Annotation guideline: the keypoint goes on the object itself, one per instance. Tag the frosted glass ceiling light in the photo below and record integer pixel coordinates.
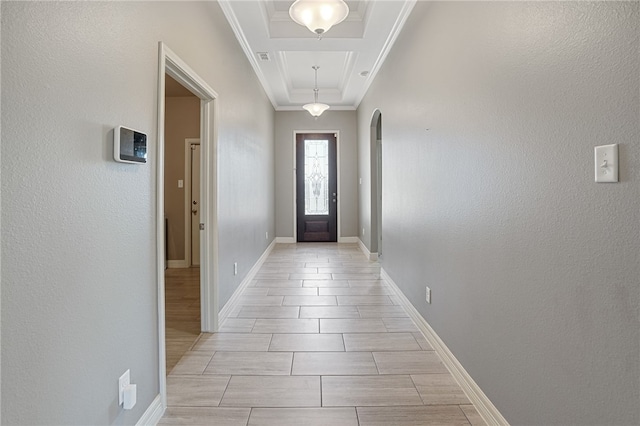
(316, 109)
(318, 15)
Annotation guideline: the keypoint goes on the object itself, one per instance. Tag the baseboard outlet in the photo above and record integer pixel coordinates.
(285, 240)
(233, 300)
(483, 405)
(176, 264)
(348, 240)
(365, 250)
(153, 413)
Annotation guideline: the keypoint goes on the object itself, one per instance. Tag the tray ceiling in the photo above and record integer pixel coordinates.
(283, 52)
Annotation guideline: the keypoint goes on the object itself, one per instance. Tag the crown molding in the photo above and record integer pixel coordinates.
(225, 5)
(407, 7)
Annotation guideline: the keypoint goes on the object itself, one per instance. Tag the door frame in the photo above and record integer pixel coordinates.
(173, 65)
(295, 183)
(187, 198)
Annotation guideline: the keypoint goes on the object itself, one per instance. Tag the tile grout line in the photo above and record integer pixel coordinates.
(249, 417)
(419, 394)
(225, 391)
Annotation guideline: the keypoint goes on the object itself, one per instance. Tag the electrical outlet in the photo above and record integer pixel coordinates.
(266, 235)
(235, 268)
(428, 295)
(123, 382)
(362, 231)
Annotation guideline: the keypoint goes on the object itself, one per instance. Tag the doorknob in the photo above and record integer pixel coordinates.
(195, 203)
(194, 211)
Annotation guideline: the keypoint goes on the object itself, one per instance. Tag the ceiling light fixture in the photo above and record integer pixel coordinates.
(316, 109)
(318, 15)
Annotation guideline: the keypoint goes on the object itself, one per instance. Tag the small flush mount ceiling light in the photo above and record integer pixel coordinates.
(316, 109)
(318, 15)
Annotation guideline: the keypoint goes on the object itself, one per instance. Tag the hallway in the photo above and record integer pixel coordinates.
(317, 339)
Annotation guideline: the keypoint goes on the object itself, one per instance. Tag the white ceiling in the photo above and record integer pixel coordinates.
(358, 44)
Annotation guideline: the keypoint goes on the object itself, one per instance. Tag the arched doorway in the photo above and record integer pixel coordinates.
(376, 183)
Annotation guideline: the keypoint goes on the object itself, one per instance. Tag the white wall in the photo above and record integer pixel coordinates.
(79, 298)
(490, 114)
(288, 122)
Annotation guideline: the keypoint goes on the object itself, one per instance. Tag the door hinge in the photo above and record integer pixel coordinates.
(193, 147)
(202, 226)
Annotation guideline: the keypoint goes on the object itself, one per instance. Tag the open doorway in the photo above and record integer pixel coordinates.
(181, 189)
(376, 184)
(204, 279)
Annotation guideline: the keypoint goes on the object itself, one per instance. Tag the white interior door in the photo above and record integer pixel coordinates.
(195, 204)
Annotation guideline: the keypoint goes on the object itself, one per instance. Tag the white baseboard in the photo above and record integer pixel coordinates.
(481, 402)
(180, 263)
(365, 250)
(348, 240)
(233, 300)
(285, 240)
(153, 414)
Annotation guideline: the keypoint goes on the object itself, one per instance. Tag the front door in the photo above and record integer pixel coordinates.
(317, 187)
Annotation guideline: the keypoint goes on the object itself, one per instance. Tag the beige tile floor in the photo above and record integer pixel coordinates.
(317, 339)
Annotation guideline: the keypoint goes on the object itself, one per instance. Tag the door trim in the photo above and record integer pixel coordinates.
(187, 198)
(173, 65)
(295, 188)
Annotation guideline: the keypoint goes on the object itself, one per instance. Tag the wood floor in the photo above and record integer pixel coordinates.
(182, 312)
(316, 339)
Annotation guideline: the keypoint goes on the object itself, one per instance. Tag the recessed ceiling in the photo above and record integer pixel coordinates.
(356, 46)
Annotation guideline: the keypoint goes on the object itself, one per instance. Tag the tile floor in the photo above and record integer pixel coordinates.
(316, 339)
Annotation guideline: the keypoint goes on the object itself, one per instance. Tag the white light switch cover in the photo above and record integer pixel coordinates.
(606, 163)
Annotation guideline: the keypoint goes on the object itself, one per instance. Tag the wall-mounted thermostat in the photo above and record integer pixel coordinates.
(129, 146)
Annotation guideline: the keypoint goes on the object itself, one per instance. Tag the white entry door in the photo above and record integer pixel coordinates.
(195, 204)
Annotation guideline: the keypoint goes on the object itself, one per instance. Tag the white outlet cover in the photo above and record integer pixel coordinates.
(606, 163)
(123, 382)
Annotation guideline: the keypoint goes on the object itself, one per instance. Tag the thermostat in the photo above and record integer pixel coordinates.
(129, 146)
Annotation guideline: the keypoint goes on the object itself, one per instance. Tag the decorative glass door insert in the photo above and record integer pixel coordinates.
(316, 177)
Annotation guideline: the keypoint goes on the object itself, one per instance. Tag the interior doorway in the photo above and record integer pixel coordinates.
(376, 183)
(317, 187)
(205, 277)
(181, 190)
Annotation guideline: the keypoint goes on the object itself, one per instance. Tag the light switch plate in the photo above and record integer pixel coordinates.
(606, 163)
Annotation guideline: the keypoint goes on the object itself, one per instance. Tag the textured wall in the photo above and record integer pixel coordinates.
(182, 121)
(490, 114)
(79, 295)
(286, 123)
